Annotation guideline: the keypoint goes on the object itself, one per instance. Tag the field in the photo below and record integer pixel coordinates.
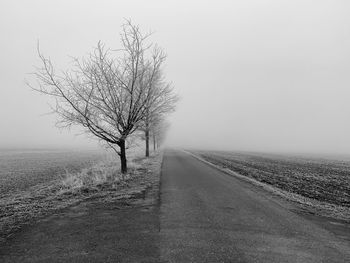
(20, 170)
(326, 180)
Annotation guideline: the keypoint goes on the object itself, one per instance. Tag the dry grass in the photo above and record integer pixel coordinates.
(107, 171)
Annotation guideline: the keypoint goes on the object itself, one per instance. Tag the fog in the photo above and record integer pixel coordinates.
(252, 75)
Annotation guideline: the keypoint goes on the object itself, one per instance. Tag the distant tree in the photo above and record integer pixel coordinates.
(107, 95)
(162, 97)
(159, 131)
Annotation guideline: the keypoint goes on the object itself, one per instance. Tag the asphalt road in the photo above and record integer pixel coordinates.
(209, 216)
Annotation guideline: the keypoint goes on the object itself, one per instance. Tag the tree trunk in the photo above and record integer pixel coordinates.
(123, 161)
(154, 142)
(147, 139)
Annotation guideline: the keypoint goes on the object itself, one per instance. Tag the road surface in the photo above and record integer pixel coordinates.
(209, 216)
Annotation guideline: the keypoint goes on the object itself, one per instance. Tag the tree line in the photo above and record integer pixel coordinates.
(113, 94)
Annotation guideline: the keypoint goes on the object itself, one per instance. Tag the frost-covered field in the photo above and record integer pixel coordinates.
(21, 169)
(31, 183)
(324, 179)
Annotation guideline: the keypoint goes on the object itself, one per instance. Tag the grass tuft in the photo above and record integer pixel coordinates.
(104, 172)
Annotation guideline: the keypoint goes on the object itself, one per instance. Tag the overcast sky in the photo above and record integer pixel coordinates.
(252, 75)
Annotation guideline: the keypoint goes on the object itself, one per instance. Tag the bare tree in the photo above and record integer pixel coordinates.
(105, 94)
(162, 99)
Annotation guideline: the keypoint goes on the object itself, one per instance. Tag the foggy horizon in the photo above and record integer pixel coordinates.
(260, 76)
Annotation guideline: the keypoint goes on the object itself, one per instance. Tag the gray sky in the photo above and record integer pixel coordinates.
(253, 75)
